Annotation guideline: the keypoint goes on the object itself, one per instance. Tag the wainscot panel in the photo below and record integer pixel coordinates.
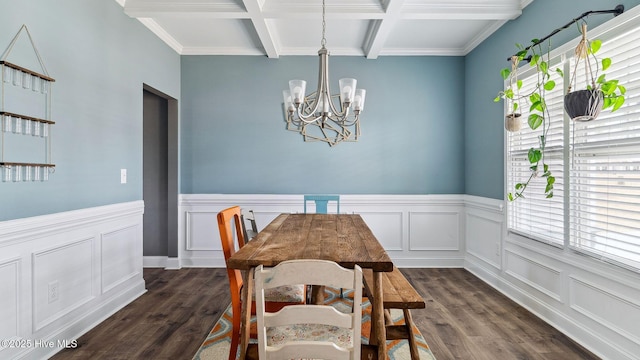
(61, 274)
(9, 301)
(593, 302)
(416, 230)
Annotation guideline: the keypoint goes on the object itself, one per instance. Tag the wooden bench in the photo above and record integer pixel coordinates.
(398, 294)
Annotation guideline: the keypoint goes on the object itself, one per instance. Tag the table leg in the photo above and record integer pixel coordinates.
(378, 319)
(317, 294)
(247, 289)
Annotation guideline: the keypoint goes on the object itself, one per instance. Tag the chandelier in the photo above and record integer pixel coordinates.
(316, 115)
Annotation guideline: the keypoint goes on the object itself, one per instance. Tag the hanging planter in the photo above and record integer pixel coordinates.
(583, 105)
(513, 122)
(511, 95)
(586, 104)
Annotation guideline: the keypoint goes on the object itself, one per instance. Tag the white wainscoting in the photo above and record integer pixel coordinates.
(595, 303)
(62, 274)
(416, 230)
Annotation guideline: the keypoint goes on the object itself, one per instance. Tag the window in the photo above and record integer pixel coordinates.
(597, 162)
(535, 215)
(605, 167)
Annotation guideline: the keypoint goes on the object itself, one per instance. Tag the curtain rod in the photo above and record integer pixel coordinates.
(617, 11)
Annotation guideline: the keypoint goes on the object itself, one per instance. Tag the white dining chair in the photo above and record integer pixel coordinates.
(309, 331)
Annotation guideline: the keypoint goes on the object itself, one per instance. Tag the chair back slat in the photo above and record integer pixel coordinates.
(322, 202)
(303, 317)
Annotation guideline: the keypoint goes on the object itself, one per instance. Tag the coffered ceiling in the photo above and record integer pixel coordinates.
(370, 28)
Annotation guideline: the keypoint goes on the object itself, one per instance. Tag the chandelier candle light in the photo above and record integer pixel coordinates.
(315, 116)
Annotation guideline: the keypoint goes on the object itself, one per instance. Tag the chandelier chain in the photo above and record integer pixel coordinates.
(323, 42)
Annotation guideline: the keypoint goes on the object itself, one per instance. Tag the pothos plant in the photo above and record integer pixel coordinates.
(609, 90)
(538, 112)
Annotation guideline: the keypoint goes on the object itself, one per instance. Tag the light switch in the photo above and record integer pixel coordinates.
(123, 176)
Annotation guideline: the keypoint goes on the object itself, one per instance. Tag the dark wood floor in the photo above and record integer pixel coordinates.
(464, 319)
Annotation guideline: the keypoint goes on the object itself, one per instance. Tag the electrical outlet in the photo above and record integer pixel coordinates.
(123, 176)
(54, 291)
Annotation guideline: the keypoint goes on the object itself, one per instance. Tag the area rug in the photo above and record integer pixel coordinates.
(216, 345)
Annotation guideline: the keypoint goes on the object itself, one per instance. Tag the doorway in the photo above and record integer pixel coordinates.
(160, 177)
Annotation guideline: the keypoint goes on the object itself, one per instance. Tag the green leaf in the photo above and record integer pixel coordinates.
(534, 155)
(548, 188)
(508, 93)
(537, 106)
(544, 67)
(560, 72)
(595, 46)
(550, 180)
(609, 87)
(519, 186)
(505, 73)
(534, 60)
(601, 79)
(519, 84)
(618, 103)
(497, 98)
(549, 195)
(515, 106)
(535, 97)
(549, 85)
(535, 121)
(622, 89)
(510, 196)
(606, 62)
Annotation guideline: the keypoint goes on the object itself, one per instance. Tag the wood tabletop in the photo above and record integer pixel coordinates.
(343, 238)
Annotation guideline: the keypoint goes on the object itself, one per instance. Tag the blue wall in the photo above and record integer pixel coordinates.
(484, 121)
(234, 138)
(100, 59)
(429, 126)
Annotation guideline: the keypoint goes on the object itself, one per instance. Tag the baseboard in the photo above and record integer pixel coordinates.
(165, 262)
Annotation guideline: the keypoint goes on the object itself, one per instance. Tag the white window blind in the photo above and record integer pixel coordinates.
(605, 167)
(535, 215)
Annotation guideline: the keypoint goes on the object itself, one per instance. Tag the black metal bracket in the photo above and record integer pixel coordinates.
(617, 11)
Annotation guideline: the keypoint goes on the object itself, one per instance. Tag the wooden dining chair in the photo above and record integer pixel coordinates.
(231, 234)
(309, 331)
(249, 218)
(322, 202)
(322, 207)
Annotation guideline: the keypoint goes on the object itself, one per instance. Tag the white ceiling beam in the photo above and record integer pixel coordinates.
(334, 10)
(463, 10)
(153, 8)
(262, 27)
(379, 32)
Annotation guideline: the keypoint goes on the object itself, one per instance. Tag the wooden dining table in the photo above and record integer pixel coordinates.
(343, 238)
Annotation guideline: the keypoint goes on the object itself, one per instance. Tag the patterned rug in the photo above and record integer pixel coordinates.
(216, 345)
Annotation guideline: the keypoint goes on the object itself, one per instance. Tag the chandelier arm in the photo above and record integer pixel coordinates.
(347, 122)
(305, 118)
